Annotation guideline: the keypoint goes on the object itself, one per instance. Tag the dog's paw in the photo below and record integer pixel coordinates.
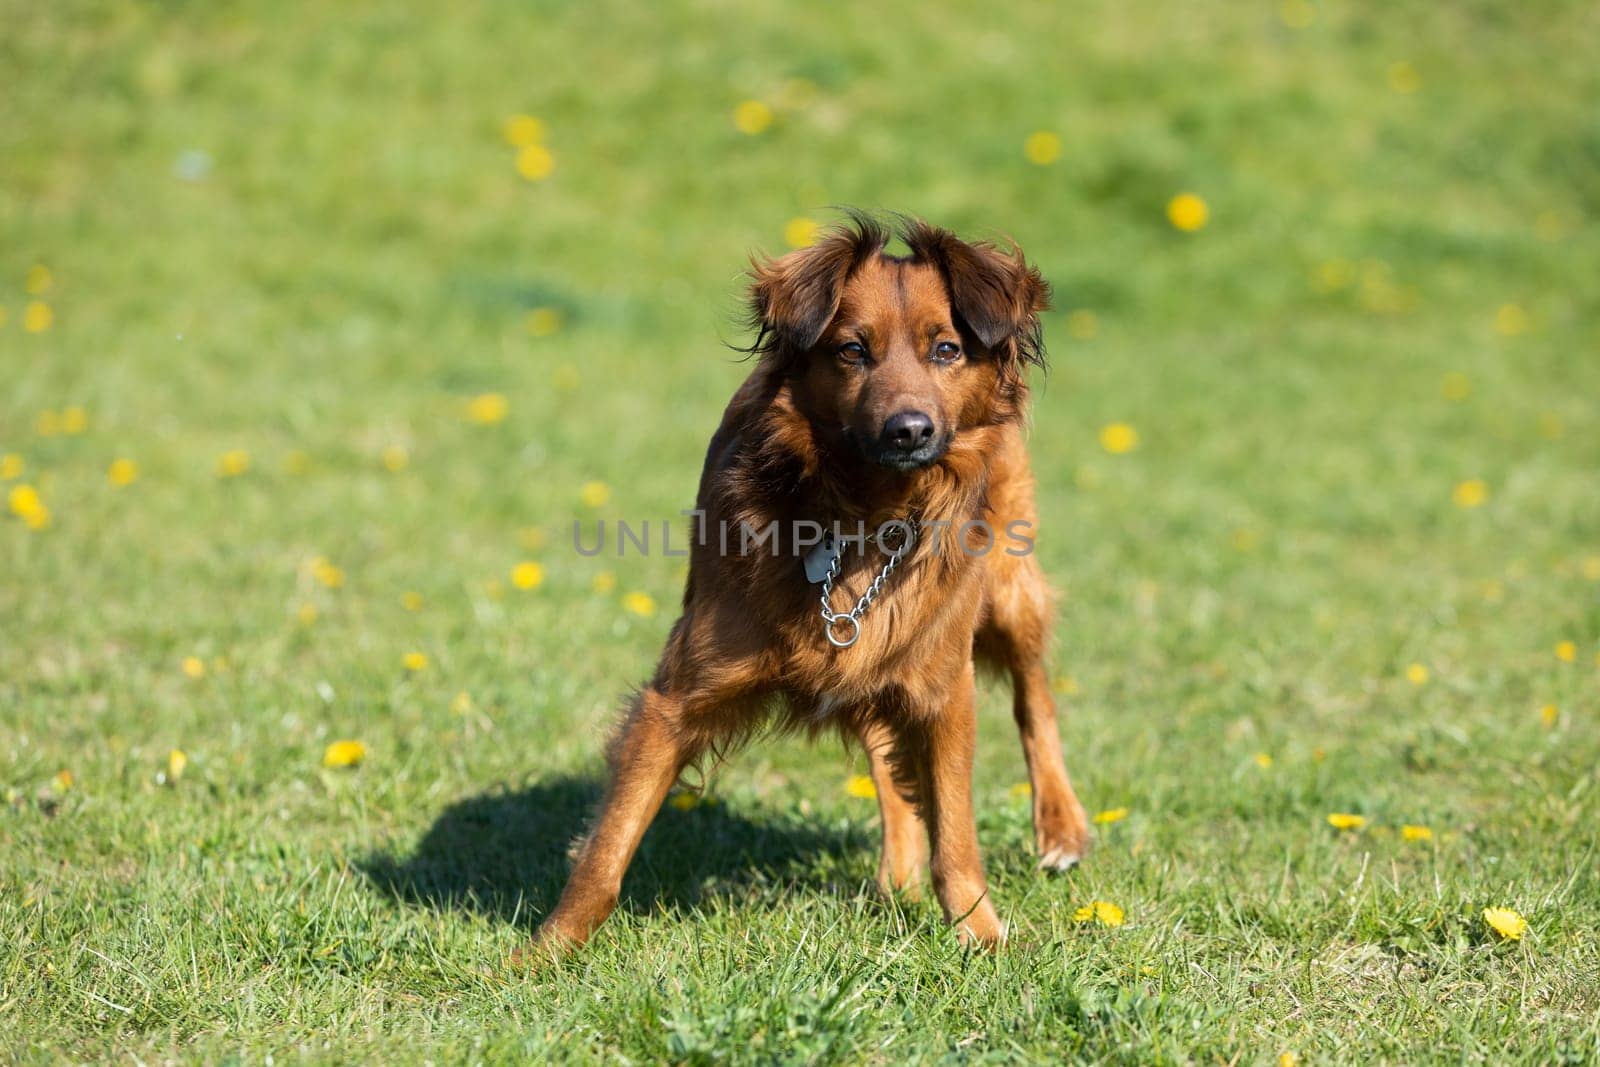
(1060, 858)
(549, 947)
(984, 936)
(1060, 832)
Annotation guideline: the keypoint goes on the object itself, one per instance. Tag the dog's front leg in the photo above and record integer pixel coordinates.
(905, 841)
(945, 742)
(649, 753)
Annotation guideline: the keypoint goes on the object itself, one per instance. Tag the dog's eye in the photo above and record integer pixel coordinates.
(852, 352)
(947, 351)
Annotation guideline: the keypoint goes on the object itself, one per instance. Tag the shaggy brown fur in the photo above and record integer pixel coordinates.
(848, 338)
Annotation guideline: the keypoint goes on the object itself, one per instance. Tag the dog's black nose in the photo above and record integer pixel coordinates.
(907, 431)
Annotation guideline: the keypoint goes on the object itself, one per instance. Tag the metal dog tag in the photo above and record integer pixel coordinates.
(820, 560)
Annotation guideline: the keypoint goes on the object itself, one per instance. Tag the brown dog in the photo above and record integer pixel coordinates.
(889, 390)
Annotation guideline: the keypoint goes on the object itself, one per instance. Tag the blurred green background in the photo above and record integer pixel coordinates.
(321, 324)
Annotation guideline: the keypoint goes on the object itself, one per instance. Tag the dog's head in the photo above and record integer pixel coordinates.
(895, 356)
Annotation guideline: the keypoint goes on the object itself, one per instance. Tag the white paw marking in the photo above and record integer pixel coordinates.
(1059, 859)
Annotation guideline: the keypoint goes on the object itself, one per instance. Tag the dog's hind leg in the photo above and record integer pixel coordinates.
(905, 839)
(649, 753)
(1013, 637)
(1060, 828)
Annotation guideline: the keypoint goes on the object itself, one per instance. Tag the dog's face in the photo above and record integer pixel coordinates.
(893, 357)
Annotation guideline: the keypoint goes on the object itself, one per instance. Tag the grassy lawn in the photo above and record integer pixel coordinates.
(1350, 566)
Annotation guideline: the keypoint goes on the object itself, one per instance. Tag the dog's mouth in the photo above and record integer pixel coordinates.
(896, 459)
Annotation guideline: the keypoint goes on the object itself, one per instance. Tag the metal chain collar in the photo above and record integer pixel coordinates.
(832, 619)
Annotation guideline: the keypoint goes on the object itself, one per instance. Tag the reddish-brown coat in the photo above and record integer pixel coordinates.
(750, 643)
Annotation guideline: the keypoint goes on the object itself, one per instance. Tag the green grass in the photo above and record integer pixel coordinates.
(357, 259)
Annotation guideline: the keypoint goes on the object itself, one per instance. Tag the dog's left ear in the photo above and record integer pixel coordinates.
(997, 293)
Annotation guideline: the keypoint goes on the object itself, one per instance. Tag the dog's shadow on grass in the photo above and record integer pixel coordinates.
(504, 854)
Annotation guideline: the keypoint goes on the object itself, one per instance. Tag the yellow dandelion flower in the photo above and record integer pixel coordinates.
(233, 463)
(1411, 832)
(63, 780)
(48, 424)
(800, 232)
(1289, 1059)
(306, 613)
(1119, 438)
(1083, 324)
(74, 420)
(122, 472)
(604, 582)
(520, 131)
(640, 604)
(414, 661)
(860, 787)
(1505, 922)
(1551, 426)
(194, 667)
(684, 801)
(11, 466)
(38, 281)
(752, 117)
(1110, 815)
(1456, 386)
(411, 600)
(1340, 820)
(535, 162)
(1417, 674)
(1297, 15)
(1567, 651)
(37, 317)
(486, 409)
(1510, 320)
(527, 575)
(1333, 275)
(1471, 493)
(396, 458)
(1042, 147)
(344, 754)
(1187, 212)
(461, 703)
(544, 321)
(24, 500)
(176, 763)
(1263, 760)
(1403, 78)
(1549, 715)
(1590, 567)
(324, 571)
(26, 504)
(1101, 911)
(594, 494)
(1020, 790)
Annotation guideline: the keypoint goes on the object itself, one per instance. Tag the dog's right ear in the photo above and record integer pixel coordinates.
(794, 297)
